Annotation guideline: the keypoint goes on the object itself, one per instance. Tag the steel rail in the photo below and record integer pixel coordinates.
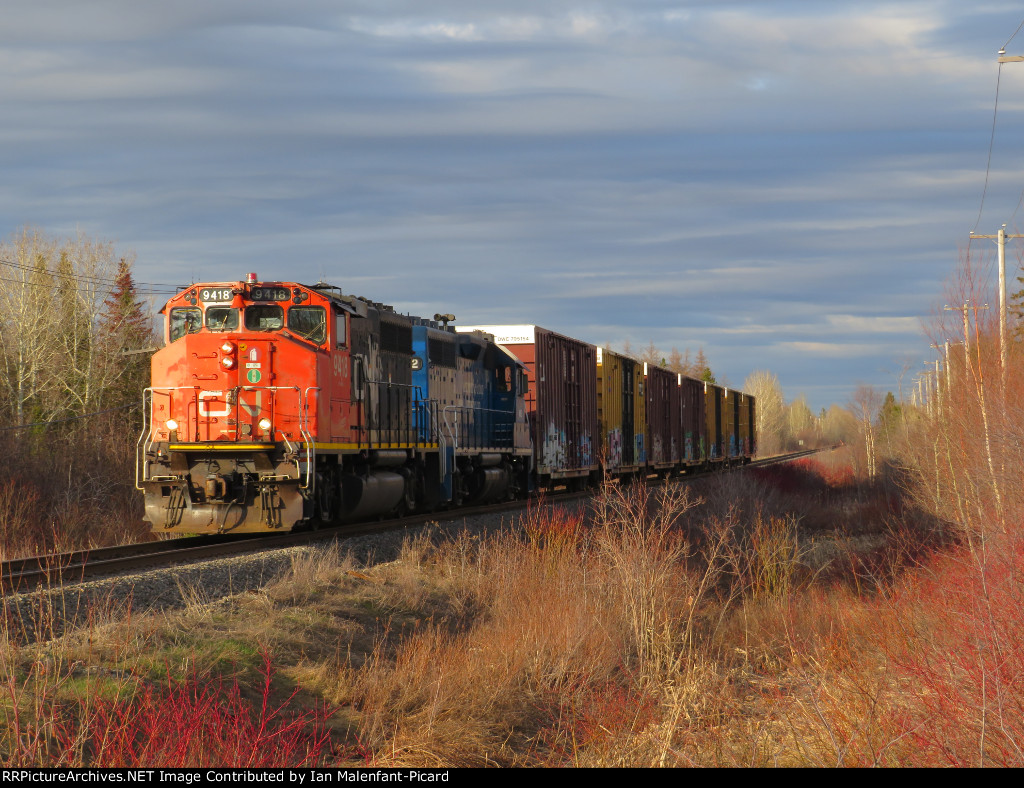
(62, 569)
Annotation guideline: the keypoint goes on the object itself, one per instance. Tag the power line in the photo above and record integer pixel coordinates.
(1015, 32)
(991, 144)
(105, 291)
(99, 280)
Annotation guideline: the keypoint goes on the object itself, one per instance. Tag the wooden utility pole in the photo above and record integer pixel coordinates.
(938, 377)
(1000, 239)
(966, 308)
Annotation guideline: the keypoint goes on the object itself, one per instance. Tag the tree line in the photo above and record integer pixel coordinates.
(73, 330)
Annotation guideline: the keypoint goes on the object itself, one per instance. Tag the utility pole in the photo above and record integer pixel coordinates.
(938, 377)
(949, 372)
(1000, 239)
(967, 334)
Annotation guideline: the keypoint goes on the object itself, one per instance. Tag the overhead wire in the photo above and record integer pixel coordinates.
(151, 288)
(991, 145)
(102, 290)
(1015, 32)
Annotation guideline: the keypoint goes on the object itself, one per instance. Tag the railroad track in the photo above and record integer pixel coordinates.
(788, 457)
(61, 569)
(26, 574)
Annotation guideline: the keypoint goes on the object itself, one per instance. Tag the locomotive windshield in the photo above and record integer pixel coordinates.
(221, 318)
(264, 318)
(185, 320)
(308, 322)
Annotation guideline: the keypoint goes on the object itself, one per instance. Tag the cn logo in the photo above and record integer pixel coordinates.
(204, 409)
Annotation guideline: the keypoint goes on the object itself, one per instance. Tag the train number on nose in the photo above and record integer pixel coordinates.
(215, 294)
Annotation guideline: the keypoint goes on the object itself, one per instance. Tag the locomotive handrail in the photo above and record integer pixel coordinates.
(141, 451)
(303, 416)
(145, 441)
(307, 435)
(473, 409)
(368, 413)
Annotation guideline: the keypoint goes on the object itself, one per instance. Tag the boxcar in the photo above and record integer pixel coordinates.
(714, 406)
(562, 399)
(621, 413)
(661, 416)
(692, 419)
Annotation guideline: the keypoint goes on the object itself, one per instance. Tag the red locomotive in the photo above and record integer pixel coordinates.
(276, 403)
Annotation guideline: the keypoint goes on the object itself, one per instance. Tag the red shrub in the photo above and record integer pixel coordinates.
(965, 657)
(198, 722)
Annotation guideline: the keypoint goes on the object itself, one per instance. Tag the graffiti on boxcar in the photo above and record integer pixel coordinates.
(614, 448)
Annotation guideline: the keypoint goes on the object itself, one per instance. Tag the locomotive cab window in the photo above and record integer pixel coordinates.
(184, 320)
(340, 335)
(264, 318)
(221, 318)
(308, 322)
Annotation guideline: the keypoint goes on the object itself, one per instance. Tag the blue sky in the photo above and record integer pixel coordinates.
(785, 184)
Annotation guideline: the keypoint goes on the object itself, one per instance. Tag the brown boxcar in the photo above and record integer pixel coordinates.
(714, 416)
(562, 400)
(621, 412)
(752, 426)
(692, 420)
(661, 388)
(731, 428)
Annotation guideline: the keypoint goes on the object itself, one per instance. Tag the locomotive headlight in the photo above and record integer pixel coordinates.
(228, 349)
(172, 425)
(265, 424)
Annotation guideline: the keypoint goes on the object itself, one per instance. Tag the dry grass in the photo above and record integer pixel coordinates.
(658, 630)
(69, 488)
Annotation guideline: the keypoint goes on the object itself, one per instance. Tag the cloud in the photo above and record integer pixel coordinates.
(858, 324)
(830, 349)
(785, 184)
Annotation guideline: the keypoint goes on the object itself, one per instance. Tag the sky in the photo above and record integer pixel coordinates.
(785, 185)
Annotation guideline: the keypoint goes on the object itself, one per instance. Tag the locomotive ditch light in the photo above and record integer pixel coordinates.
(228, 347)
(265, 424)
(171, 425)
(228, 362)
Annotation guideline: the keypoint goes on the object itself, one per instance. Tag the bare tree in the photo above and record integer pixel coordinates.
(864, 405)
(771, 414)
(803, 424)
(52, 360)
(26, 324)
(651, 355)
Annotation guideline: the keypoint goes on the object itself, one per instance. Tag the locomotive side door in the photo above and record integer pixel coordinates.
(341, 379)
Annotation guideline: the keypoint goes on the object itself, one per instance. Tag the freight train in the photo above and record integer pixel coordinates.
(276, 404)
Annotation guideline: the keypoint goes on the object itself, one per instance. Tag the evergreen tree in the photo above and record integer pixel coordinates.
(1015, 306)
(889, 413)
(125, 330)
(124, 316)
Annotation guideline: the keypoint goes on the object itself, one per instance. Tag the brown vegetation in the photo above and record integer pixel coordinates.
(780, 619)
(70, 394)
